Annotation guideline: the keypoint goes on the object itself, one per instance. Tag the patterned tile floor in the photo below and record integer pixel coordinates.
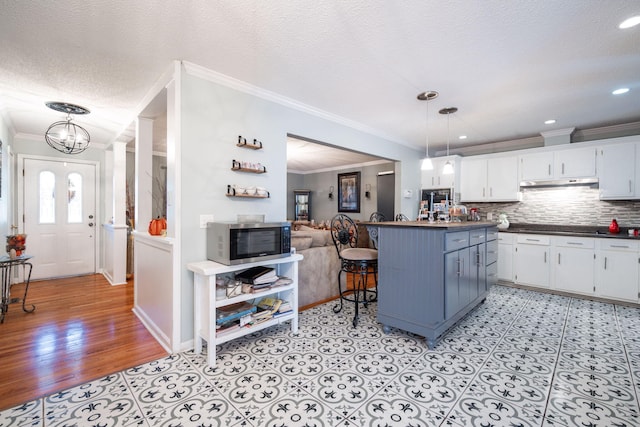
(522, 358)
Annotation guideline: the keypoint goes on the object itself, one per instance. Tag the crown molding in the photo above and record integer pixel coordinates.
(241, 86)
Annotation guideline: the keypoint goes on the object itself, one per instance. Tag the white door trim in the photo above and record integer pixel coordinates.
(98, 198)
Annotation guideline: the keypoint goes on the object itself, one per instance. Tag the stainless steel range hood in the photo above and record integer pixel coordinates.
(560, 182)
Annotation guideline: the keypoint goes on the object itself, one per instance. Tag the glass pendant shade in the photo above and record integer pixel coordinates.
(448, 168)
(427, 164)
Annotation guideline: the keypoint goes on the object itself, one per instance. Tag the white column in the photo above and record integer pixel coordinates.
(144, 173)
(119, 183)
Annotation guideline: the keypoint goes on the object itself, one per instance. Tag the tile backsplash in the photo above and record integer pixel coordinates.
(572, 205)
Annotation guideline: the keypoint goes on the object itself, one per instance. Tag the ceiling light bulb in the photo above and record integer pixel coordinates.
(462, 137)
(631, 22)
(620, 91)
(549, 122)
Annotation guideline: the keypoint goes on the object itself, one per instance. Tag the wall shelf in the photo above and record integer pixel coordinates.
(231, 192)
(237, 166)
(255, 145)
(250, 196)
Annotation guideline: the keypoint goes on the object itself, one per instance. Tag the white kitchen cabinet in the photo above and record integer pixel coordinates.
(575, 163)
(435, 179)
(558, 164)
(617, 266)
(532, 260)
(536, 166)
(505, 256)
(489, 179)
(617, 171)
(573, 265)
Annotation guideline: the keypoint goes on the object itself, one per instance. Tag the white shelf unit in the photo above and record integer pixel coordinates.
(205, 303)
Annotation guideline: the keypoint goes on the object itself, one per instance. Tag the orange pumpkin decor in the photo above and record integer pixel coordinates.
(157, 226)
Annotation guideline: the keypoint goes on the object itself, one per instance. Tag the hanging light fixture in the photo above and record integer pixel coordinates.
(427, 164)
(448, 167)
(64, 136)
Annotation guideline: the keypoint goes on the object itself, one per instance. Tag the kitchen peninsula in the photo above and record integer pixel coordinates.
(430, 275)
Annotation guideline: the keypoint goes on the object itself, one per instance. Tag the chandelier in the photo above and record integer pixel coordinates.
(65, 136)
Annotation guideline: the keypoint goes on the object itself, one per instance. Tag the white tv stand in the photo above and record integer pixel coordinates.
(205, 303)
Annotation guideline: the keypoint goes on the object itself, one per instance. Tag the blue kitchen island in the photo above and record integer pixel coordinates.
(430, 275)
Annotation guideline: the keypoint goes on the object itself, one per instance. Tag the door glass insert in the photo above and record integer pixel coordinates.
(47, 186)
(74, 201)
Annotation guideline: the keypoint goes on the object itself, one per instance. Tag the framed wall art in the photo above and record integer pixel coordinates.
(349, 192)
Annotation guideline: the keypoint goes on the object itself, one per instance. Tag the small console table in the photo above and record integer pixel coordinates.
(7, 264)
(205, 303)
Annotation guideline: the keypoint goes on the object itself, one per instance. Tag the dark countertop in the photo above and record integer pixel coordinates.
(568, 230)
(465, 225)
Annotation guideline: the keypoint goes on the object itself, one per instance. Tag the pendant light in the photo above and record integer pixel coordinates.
(427, 164)
(448, 167)
(64, 136)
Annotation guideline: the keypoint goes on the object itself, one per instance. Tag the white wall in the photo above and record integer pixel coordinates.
(213, 116)
(5, 193)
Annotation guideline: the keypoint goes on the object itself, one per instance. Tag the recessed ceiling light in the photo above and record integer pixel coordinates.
(549, 122)
(620, 91)
(462, 137)
(631, 22)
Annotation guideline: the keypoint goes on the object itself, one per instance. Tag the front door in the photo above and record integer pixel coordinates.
(59, 215)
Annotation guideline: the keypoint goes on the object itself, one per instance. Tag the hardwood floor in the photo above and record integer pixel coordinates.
(83, 328)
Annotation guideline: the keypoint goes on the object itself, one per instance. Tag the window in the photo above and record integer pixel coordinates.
(47, 186)
(74, 198)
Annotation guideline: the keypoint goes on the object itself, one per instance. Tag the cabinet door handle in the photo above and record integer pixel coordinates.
(549, 169)
(629, 186)
(484, 192)
(532, 240)
(459, 272)
(558, 259)
(605, 263)
(562, 168)
(620, 246)
(575, 243)
(545, 257)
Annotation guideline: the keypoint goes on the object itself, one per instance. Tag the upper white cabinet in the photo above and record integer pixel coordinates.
(489, 179)
(435, 179)
(558, 164)
(536, 166)
(617, 172)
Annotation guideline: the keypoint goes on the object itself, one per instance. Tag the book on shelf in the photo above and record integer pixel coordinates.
(258, 274)
(234, 311)
(224, 330)
(269, 304)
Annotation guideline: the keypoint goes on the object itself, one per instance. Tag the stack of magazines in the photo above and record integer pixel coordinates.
(233, 317)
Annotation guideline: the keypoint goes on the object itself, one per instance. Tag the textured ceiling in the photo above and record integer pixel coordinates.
(507, 65)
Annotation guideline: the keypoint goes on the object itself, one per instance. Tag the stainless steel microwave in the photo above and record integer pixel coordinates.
(232, 243)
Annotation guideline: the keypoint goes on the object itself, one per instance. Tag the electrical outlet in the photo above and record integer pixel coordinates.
(204, 219)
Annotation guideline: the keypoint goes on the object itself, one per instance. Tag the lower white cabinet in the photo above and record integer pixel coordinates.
(617, 269)
(601, 267)
(505, 256)
(573, 263)
(531, 261)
